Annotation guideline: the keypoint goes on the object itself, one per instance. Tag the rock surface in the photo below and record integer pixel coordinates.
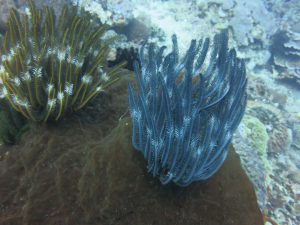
(77, 172)
(5, 6)
(20, 5)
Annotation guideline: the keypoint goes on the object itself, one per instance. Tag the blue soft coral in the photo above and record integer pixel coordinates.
(184, 114)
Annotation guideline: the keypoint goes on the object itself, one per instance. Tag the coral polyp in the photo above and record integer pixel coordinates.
(51, 66)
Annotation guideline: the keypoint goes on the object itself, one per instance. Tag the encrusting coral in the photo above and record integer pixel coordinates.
(49, 67)
(257, 134)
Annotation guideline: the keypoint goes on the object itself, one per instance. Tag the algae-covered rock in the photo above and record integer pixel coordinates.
(12, 124)
(257, 132)
(296, 136)
(78, 172)
(276, 123)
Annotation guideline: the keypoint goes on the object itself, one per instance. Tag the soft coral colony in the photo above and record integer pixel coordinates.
(185, 114)
(49, 67)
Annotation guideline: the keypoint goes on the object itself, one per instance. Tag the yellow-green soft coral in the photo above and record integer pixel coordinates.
(49, 67)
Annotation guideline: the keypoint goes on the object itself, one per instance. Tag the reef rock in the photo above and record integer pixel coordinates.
(57, 5)
(285, 50)
(85, 172)
(20, 5)
(280, 136)
(285, 43)
(5, 5)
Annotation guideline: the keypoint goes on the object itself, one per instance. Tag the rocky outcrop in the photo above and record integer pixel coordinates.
(20, 5)
(80, 172)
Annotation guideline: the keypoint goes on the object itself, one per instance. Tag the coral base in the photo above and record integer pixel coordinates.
(81, 173)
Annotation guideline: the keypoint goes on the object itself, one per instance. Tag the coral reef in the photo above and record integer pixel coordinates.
(280, 136)
(286, 56)
(185, 114)
(257, 29)
(260, 90)
(247, 24)
(257, 132)
(77, 173)
(20, 6)
(49, 67)
(253, 27)
(296, 136)
(285, 42)
(272, 171)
